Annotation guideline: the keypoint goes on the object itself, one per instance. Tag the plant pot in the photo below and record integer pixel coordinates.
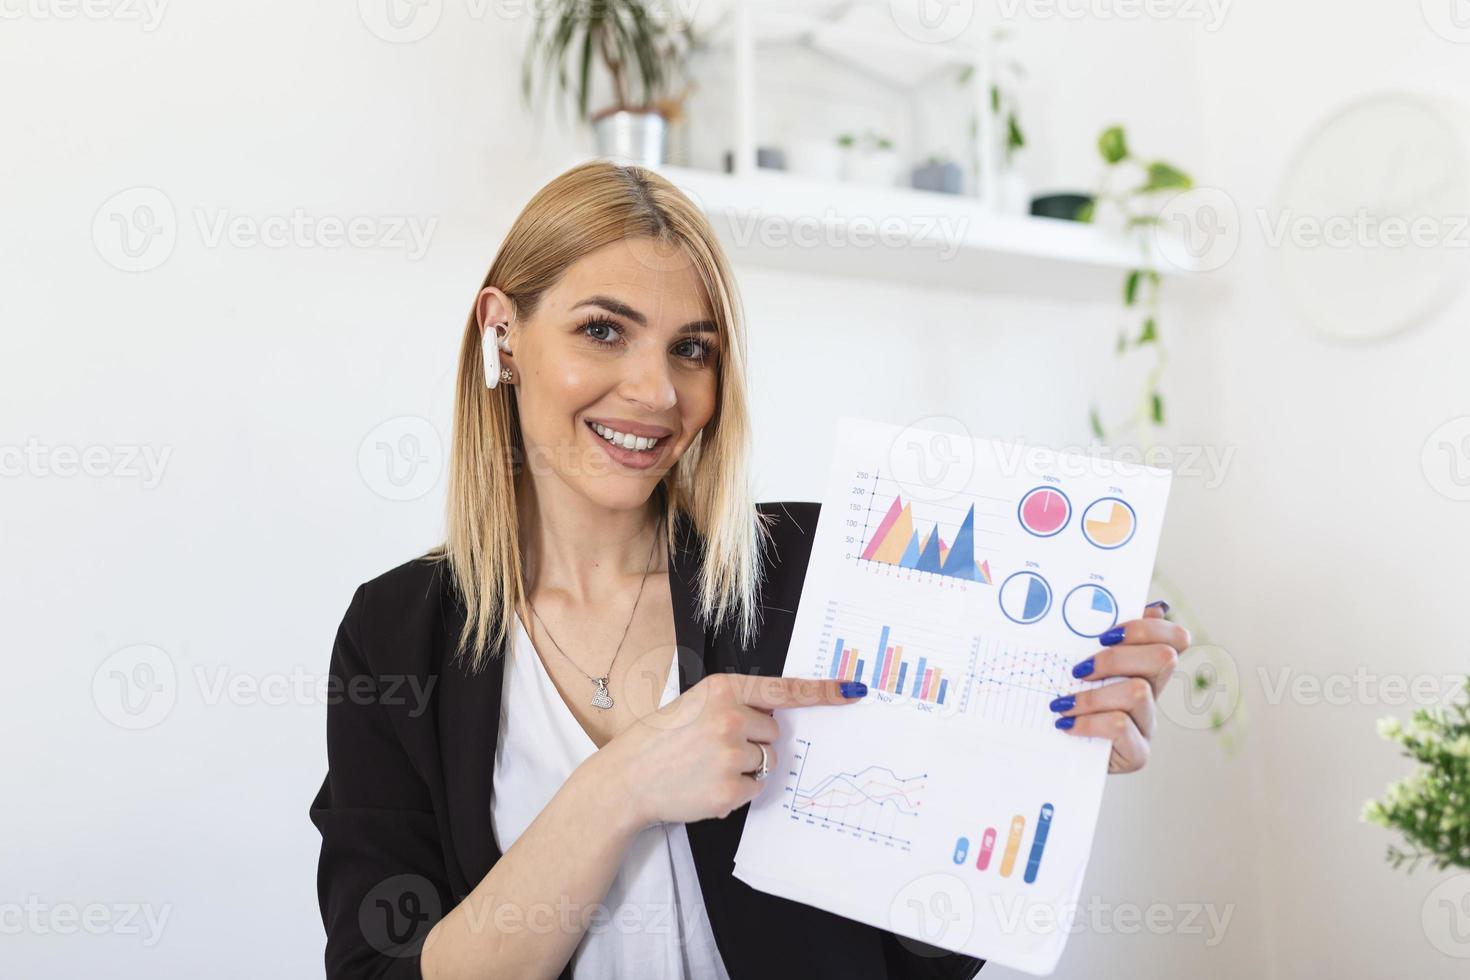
(942, 178)
(633, 135)
(820, 159)
(1013, 193)
(1063, 206)
(872, 167)
(766, 158)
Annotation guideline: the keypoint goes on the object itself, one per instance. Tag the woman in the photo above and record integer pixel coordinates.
(547, 729)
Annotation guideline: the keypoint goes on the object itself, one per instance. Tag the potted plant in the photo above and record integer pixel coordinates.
(1012, 191)
(869, 158)
(642, 47)
(1431, 806)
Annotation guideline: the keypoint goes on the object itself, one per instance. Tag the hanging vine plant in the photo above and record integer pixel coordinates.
(1134, 190)
(1133, 187)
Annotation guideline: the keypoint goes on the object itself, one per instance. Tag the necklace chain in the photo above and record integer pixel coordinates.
(600, 697)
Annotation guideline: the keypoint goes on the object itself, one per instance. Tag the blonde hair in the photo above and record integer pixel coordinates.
(590, 206)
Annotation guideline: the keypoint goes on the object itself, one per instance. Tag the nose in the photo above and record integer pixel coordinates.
(648, 382)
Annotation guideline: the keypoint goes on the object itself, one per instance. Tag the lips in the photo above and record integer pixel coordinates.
(632, 427)
(631, 458)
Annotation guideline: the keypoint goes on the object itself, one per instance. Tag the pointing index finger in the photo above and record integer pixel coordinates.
(770, 693)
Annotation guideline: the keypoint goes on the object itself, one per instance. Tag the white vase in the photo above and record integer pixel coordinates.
(639, 137)
(819, 159)
(1013, 193)
(873, 167)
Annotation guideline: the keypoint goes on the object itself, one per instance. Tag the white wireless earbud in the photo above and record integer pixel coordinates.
(491, 344)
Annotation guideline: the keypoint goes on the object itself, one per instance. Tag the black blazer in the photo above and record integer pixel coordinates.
(404, 811)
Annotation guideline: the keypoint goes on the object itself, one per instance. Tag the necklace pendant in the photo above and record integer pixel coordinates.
(600, 698)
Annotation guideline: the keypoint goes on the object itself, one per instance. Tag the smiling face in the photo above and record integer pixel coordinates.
(617, 372)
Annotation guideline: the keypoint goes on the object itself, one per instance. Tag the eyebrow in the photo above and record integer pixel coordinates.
(624, 310)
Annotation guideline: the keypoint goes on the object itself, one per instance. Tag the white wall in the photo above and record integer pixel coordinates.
(1358, 562)
(260, 371)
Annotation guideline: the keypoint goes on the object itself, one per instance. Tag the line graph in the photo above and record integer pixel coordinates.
(1014, 684)
(872, 802)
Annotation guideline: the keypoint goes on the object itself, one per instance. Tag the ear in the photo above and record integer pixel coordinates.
(493, 306)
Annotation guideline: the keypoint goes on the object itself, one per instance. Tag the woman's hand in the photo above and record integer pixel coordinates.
(1142, 650)
(688, 761)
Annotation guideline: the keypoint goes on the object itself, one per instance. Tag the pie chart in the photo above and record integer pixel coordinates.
(1109, 523)
(1090, 610)
(1044, 511)
(1025, 597)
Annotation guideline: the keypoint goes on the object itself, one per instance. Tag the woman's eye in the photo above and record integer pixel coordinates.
(605, 333)
(696, 350)
(595, 325)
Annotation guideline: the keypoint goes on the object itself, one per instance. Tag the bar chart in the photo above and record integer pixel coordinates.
(919, 661)
(1013, 850)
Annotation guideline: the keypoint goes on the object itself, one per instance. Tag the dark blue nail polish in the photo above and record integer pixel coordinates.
(854, 689)
(1114, 635)
(1066, 722)
(1158, 604)
(1065, 703)
(1084, 668)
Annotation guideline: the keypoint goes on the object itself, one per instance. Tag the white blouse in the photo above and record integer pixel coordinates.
(655, 924)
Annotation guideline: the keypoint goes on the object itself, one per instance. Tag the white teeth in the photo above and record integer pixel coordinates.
(624, 439)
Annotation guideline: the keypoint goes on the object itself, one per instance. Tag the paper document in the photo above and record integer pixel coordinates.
(960, 579)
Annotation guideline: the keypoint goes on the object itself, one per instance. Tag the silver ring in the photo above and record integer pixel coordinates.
(765, 767)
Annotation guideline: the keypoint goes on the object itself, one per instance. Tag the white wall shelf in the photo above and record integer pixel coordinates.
(823, 226)
(800, 224)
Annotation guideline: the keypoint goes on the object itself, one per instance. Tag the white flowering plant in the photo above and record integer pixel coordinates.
(1431, 806)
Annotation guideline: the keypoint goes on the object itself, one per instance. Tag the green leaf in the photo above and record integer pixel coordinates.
(1014, 139)
(1086, 212)
(1130, 287)
(995, 98)
(966, 73)
(1157, 408)
(1121, 344)
(1149, 334)
(584, 86)
(1095, 421)
(1142, 220)
(1112, 144)
(1163, 177)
